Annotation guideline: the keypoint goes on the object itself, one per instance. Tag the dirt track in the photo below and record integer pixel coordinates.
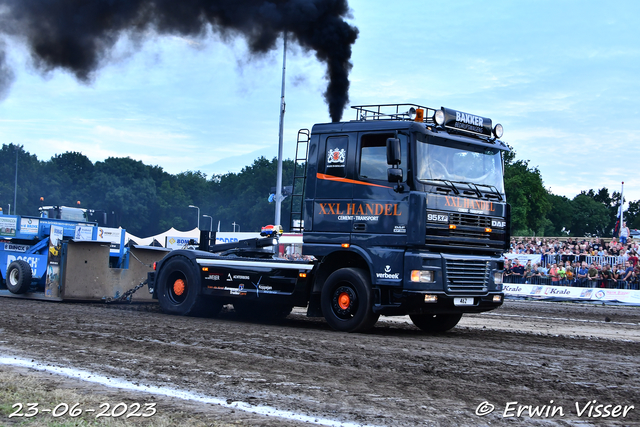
(525, 352)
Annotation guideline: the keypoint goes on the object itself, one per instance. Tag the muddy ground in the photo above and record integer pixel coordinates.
(532, 353)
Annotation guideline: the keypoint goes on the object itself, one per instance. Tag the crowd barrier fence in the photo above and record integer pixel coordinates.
(548, 260)
(581, 283)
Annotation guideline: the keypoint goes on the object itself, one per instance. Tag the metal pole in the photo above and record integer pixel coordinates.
(282, 108)
(15, 192)
(621, 209)
(192, 206)
(211, 221)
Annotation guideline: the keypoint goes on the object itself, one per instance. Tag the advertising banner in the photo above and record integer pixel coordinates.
(52, 286)
(115, 236)
(8, 225)
(567, 293)
(12, 247)
(29, 226)
(177, 242)
(84, 232)
(523, 258)
(229, 237)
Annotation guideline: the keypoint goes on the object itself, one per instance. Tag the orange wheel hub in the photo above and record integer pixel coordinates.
(179, 287)
(344, 300)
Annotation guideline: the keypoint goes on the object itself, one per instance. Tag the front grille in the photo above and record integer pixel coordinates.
(475, 234)
(469, 220)
(467, 275)
(470, 230)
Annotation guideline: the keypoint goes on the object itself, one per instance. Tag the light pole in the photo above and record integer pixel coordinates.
(191, 206)
(15, 192)
(234, 226)
(280, 142)
(210, 219)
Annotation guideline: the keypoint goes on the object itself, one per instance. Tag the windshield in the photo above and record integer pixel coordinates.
(460, 163)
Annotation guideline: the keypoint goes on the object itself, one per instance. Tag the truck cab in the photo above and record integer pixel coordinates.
(410, 201)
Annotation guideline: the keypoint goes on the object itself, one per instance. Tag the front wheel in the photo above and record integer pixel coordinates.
(436, 322)
(178, 289)
(19, 277)
(346, 301)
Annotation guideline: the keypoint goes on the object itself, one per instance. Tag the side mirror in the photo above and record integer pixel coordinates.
(394, 175)
(393, 151)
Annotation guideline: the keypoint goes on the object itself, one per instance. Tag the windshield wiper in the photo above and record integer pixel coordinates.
(494, 193)
(474, 188)
(449, 183)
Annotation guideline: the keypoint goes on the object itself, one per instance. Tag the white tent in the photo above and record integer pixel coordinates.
(172, 232)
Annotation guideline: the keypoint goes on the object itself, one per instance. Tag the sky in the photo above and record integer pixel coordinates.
(562, 77)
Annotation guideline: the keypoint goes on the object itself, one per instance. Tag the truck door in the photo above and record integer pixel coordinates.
(380, 212)
(332, 221)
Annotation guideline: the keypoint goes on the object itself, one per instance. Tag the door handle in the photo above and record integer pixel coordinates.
(359, 226)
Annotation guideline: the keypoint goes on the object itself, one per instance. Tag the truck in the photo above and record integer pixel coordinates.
(100, 217)
(402, 212)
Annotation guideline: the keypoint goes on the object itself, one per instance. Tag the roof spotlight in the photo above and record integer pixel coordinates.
(412, 113)
(498, 131)
(438, 117)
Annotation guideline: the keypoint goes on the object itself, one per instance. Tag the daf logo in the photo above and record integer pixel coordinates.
(498, 224)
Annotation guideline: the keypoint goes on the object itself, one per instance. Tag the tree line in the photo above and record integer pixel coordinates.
(148, 200)
(537, 211)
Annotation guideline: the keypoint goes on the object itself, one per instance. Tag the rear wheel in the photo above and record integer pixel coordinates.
(436, 322)
(178, 289)
(346, 301)
(19, 277)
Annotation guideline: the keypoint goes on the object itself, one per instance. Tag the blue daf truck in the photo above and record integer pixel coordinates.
(402, 212)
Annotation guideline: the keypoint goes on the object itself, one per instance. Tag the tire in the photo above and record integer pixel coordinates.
(435, 323)
(178, 289)
(19, 277)
(258, 312)
(346, 301)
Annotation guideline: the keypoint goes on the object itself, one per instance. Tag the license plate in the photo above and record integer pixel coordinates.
(463, 301)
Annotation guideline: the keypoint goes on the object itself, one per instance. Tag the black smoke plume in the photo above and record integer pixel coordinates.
(79, 35)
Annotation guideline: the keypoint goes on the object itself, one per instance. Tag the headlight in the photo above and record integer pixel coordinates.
(424, 276)
(497, 277)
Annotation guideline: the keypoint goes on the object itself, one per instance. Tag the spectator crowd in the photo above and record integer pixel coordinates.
(574, 262)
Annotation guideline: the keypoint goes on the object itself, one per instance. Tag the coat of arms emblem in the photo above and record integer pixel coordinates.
(336, 155)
